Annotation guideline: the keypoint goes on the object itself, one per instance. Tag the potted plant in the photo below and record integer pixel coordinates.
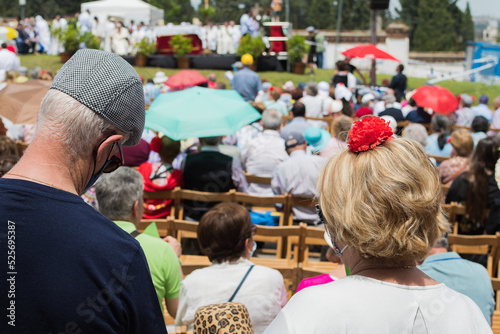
(90, 41)
(297, 49)
(143, 49)
(181, 45)
(253, 46)
(70, 39)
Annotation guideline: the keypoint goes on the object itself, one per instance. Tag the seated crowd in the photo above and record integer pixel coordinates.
(379, 190)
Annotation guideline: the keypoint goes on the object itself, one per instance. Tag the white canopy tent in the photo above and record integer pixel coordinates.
(129, 10)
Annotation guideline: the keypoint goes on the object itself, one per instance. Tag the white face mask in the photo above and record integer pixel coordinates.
(254, 248)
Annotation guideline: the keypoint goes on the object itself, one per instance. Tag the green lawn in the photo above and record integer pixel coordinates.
(278, 78)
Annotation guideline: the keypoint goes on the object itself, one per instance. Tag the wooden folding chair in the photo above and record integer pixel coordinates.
(477, 244)
(257, 179)
(263, 204)
(184, 231)
(327, 119)
(200, 197)
(495, 320)
(163, 225)
(299, 201)
(165, 195)
(287, 266)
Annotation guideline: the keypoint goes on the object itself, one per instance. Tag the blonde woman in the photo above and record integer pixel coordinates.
(380, 201)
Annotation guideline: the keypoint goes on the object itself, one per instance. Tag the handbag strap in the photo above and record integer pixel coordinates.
(241, 283)
(135, 233)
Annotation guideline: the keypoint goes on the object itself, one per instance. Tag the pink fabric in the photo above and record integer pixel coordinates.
(316, 280)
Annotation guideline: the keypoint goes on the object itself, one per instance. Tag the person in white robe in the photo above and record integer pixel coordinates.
(224, 40)
(55, 43)
(85, 22)
(109, 30)
(235, 35)
(120, 40)
(43, 34)
(212, 32)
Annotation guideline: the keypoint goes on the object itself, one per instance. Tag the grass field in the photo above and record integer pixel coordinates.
(278, 78)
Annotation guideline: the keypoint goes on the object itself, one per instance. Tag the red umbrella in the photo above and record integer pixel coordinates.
(368, 51)
(186, 78)
(439, 99)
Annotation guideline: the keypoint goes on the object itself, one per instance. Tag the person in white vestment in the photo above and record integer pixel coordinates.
(43, 34)
(120, 40)
(235, 35)
(380, 221)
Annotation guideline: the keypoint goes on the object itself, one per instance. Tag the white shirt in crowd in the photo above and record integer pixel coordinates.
(298, 176)
(315, 106)
(263, 292)
(9, 61)
(261, 157)
(358, 304)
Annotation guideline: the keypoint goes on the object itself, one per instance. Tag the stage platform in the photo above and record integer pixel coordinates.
(213, 62)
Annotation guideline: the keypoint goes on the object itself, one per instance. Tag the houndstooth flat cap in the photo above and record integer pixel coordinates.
(108, 85)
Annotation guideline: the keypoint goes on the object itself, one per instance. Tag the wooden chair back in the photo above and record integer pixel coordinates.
(200, 196)
(279, 235)
(257, 179)
(477, 244)
(164, 226)
(299, 201)
(495, 320)
(165, 195)
(263, 204)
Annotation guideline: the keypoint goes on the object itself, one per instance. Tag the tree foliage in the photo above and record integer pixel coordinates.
(175, 10)
(437, 25)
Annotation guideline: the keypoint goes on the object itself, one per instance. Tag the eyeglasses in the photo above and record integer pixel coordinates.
(251, 233)
(114, 162)
(253, 230)
(322, 220)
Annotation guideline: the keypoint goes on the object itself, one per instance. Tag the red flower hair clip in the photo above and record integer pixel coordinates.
(155, 144)
(367, 133)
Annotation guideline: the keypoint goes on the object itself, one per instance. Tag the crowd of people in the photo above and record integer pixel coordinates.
(378, 184)
(37, 35)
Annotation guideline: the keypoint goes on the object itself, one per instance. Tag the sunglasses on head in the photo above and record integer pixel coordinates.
(114, 161)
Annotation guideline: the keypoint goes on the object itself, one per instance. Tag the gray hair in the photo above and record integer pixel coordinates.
(312, 88)
(73, 124)
(271, 119)
(210, 141)
(441, 243)
(118, 191)
(416, 132)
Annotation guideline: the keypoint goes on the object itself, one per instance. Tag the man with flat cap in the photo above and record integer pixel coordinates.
(69, 269)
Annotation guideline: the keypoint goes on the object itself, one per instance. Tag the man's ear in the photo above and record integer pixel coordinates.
(136, 210)
(104, 150)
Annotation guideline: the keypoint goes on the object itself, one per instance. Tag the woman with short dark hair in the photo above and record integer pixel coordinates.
(225, 235)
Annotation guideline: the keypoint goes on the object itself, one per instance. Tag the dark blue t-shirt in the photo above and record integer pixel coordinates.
(68, 269)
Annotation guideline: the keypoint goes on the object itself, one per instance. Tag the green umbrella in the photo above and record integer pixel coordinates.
(199, 112)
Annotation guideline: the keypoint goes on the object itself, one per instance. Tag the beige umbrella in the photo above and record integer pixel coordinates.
(20, 102)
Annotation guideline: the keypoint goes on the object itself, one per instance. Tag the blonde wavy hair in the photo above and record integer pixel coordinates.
(385, 202)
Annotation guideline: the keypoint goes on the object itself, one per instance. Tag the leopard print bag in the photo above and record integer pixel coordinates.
(224, 318)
